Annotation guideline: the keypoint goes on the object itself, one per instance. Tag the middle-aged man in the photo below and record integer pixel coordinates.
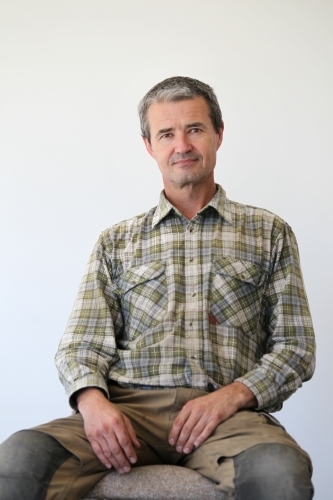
(191, 324)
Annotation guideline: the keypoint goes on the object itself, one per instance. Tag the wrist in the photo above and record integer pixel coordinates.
(244, 397)
(88, 395)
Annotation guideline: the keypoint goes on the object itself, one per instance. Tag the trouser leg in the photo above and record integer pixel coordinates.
(250, 458)
(82, 470)
(273, 471)
(28, 461)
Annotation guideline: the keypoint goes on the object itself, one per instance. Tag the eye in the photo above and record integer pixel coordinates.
(194, 130)
(167, 135)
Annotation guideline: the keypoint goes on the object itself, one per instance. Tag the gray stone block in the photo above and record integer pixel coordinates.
(155, 482)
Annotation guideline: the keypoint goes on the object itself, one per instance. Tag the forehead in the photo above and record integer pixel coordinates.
(179, 113)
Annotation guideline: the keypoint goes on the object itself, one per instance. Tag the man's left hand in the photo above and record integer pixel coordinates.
(199, 417)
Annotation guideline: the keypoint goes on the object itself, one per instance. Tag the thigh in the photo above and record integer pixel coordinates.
(243, 431)
(82, 470)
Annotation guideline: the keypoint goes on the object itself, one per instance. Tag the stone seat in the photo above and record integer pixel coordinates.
(155, 482)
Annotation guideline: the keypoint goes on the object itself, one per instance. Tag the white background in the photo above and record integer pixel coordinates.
(72, 162)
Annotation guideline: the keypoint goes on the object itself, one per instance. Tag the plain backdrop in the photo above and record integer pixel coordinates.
(73, 163)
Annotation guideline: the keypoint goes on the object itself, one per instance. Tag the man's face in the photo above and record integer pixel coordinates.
(183, 142)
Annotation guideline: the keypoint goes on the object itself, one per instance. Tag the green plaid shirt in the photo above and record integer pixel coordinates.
(166, 302)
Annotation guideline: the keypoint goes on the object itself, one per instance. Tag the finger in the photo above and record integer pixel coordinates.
(184, 424)
(131, 432)
(190, 430)
(177, 426)
(102, 455)
(109, 451)
(106, 447)
(121, 442)
(199, 434)
(117, 446)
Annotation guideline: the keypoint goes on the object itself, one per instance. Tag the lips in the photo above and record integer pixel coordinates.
(184, 163)
(184, 159)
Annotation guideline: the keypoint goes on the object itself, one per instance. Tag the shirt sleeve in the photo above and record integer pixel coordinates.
(88, 349)
(290, 348)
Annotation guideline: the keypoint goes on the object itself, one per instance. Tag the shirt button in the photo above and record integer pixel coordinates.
(193, 294)
(191, 324)
(191, 260)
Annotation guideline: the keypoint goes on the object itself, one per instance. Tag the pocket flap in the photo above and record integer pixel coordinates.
(140, 274)
(242, 270)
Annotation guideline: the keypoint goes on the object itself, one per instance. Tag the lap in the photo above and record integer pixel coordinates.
(152, 414)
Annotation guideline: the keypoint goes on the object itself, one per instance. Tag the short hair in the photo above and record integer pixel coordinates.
(179, 88)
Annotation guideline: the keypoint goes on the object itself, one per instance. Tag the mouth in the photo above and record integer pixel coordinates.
(184, 160)
(184, 163)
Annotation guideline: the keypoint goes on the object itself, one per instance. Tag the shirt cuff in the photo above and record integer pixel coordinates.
(84, 383)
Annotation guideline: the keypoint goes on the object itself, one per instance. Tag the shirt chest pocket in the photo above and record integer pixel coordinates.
(236, 293)
(142, 291)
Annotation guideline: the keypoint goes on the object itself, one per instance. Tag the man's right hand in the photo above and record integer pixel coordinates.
(108, 430)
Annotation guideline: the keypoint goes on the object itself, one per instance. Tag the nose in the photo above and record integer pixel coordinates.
(183, 144)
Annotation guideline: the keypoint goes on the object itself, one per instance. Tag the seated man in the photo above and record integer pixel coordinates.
(191, 325)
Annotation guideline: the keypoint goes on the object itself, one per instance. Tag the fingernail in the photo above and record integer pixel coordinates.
(179, 448)
(132, 460)
(171, 441)
(126, 469)
(186, 450)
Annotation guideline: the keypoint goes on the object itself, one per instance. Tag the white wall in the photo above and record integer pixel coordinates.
(72, 162)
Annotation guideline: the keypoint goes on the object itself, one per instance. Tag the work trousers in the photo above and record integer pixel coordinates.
(249, 456)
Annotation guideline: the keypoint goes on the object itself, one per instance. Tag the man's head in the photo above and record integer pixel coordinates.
(182, 130)
(179, 88)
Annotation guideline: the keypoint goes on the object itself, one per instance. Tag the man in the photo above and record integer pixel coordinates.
(190, 325)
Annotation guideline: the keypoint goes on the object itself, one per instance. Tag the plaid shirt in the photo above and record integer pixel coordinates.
(166, 302)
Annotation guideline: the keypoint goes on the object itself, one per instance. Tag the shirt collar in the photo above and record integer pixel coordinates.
(219, 202)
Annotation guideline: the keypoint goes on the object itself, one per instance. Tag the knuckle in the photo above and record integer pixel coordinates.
(115, 422)
(187, 428)
(124, 441)
(195, 433)
(178, 422)
(116, 451)
(94, 444)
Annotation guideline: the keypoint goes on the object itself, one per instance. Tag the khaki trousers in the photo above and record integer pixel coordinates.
(151, 413)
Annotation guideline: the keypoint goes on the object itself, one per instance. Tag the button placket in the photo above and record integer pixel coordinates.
(193, 306)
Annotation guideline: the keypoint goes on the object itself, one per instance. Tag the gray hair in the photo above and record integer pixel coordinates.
(179, 88)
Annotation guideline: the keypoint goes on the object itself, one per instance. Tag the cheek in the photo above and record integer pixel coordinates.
(162, 160)
(164, 156)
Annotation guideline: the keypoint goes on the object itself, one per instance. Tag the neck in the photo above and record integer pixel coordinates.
(190, 199)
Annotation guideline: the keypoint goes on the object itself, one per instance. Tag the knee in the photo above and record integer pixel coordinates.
(28, 460)
(16, 450)
(29, 449)
(272, 471)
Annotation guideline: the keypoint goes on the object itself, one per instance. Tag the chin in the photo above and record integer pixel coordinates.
(188, 179)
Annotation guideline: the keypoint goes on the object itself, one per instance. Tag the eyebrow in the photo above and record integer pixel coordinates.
(164, 131)
(196, 124)
(188, 126)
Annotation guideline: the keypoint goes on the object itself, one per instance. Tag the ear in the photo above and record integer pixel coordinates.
(220, 136)
(148, 147)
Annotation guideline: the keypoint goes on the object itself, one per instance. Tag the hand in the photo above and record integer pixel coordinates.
(199, 417)
(108, 430)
